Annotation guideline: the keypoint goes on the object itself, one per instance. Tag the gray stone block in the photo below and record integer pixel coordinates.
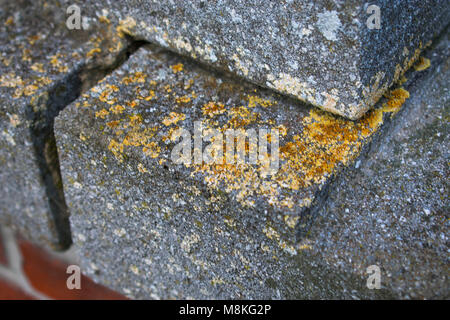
(321, 52)
(400, 220)
(151, 228)
(43, 67)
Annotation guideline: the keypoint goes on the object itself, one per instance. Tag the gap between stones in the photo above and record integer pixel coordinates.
(87, 76)
(42, 131)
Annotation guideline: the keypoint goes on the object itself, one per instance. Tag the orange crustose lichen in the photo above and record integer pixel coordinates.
(311, 150)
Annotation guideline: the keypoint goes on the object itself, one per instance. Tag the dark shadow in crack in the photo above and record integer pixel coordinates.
(42, 114)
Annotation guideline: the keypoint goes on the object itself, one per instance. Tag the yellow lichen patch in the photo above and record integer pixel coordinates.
(137, 137)
(32, 39)
(282, 130)
(168, 88)
(189, 84)
(10, 80)
(183, 99)
(112, 101)
(131, 134)
(229, 176)
(135, 120)
(311, 149)
(102, 114)
(396, 98)
(63, 69)
(6, 61)
(26, 55)
(304, 246)
(253, 101)
(34, 86)
(132, 104)
(378, 88)
(112, 87)
(151, 149)
(241, 117)
(105, 94)
(309, 157)
(43, 81)
(177, 68)
(113, 124)
(217, 281)
(141, 168)
(117, 109)
(54, 60)
(92, 52)
(116, 48)
(117, 149)
(38, 67)
(314, 154)
(173, 118)
(137, 77)
(328, 141)
(104, 19)
(82, 137)
(125, 27)
(150, 96)
(291, 221)
(271, 233)
(422, 64)
(402, 80)
(9, 21)
(172, 134)
(30, 89)
(212, 109)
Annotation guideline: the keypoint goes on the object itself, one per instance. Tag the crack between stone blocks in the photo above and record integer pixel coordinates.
(415, 79)
(51, 103)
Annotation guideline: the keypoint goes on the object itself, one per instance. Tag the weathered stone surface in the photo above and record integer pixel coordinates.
(151, 228)
(321, 52)
(43, 67)
(400, 220)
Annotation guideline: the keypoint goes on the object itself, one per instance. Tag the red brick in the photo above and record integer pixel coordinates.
(47, 275)
(3, 260)
(9, 291)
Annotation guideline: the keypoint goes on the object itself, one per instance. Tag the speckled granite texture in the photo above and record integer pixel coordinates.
(321, 52)
(345, 194)
(153, 229)
(393, 209)
(43, 66)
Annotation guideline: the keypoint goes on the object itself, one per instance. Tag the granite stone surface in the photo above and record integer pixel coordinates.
(322, 52)
(393, 209)
(43, 67)
(152, 228)
(342, 195)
